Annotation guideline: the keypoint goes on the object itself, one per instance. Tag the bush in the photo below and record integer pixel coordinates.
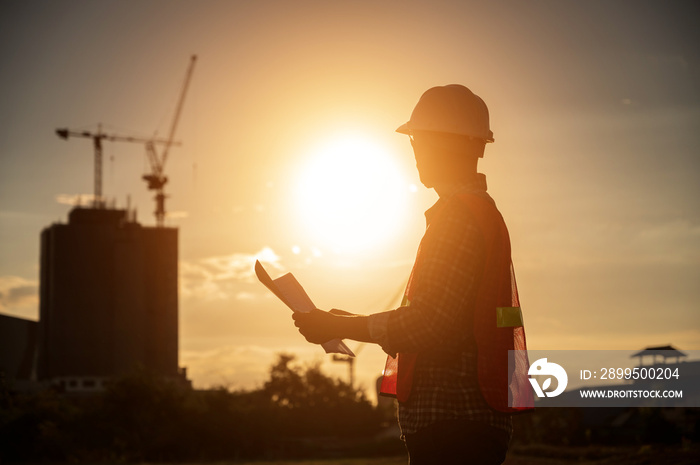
(142, 417)
(309, 403)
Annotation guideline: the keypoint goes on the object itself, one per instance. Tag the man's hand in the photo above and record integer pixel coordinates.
(318, 326)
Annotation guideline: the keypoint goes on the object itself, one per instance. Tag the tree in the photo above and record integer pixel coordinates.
(311, 403)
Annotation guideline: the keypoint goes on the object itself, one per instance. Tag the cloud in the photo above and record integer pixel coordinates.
(177, 215)
(245, 296)
(218, 278)
(19, 296)
(240, 266)
(75, 199)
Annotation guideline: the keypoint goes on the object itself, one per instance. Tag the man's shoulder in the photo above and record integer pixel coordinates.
(466, 216)
(456, 217)
(464, 204)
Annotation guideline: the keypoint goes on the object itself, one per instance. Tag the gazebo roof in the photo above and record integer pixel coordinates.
(664, 351)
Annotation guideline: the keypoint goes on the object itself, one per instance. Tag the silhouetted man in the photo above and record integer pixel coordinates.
(448, 342)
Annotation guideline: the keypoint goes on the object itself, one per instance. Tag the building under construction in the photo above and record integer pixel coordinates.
(108, 287)
(108, 299)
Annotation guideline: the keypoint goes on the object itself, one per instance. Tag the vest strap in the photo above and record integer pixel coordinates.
(508, 317)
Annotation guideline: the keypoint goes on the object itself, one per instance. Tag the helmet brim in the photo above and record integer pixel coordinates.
(404, 129)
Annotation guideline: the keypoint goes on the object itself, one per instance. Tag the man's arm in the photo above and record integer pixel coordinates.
(318, 326)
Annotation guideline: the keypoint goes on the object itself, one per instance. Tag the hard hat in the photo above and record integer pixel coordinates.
(451, 109)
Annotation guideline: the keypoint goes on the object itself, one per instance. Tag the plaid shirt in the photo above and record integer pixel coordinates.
(438, 324)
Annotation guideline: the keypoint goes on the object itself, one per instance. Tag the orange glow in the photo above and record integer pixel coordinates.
(351, 195)
(289, 152)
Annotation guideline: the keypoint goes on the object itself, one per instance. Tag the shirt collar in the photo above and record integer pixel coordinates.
(475, 185)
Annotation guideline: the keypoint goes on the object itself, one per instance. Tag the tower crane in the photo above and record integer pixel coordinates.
(156, 179)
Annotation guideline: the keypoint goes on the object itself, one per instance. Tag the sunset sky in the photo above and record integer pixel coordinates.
(289, 156)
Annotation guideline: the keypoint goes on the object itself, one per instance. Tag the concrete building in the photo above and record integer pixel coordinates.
(108, 299)
(18, 338)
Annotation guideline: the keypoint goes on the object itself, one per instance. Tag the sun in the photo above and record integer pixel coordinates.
(352, 195)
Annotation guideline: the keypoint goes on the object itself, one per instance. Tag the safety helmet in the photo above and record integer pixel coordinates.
(451, 109)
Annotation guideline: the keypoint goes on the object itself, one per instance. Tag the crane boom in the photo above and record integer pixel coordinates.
(66, 133)
(97, 138)
(178, 110)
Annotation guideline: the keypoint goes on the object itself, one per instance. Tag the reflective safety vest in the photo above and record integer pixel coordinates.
(498, 323)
